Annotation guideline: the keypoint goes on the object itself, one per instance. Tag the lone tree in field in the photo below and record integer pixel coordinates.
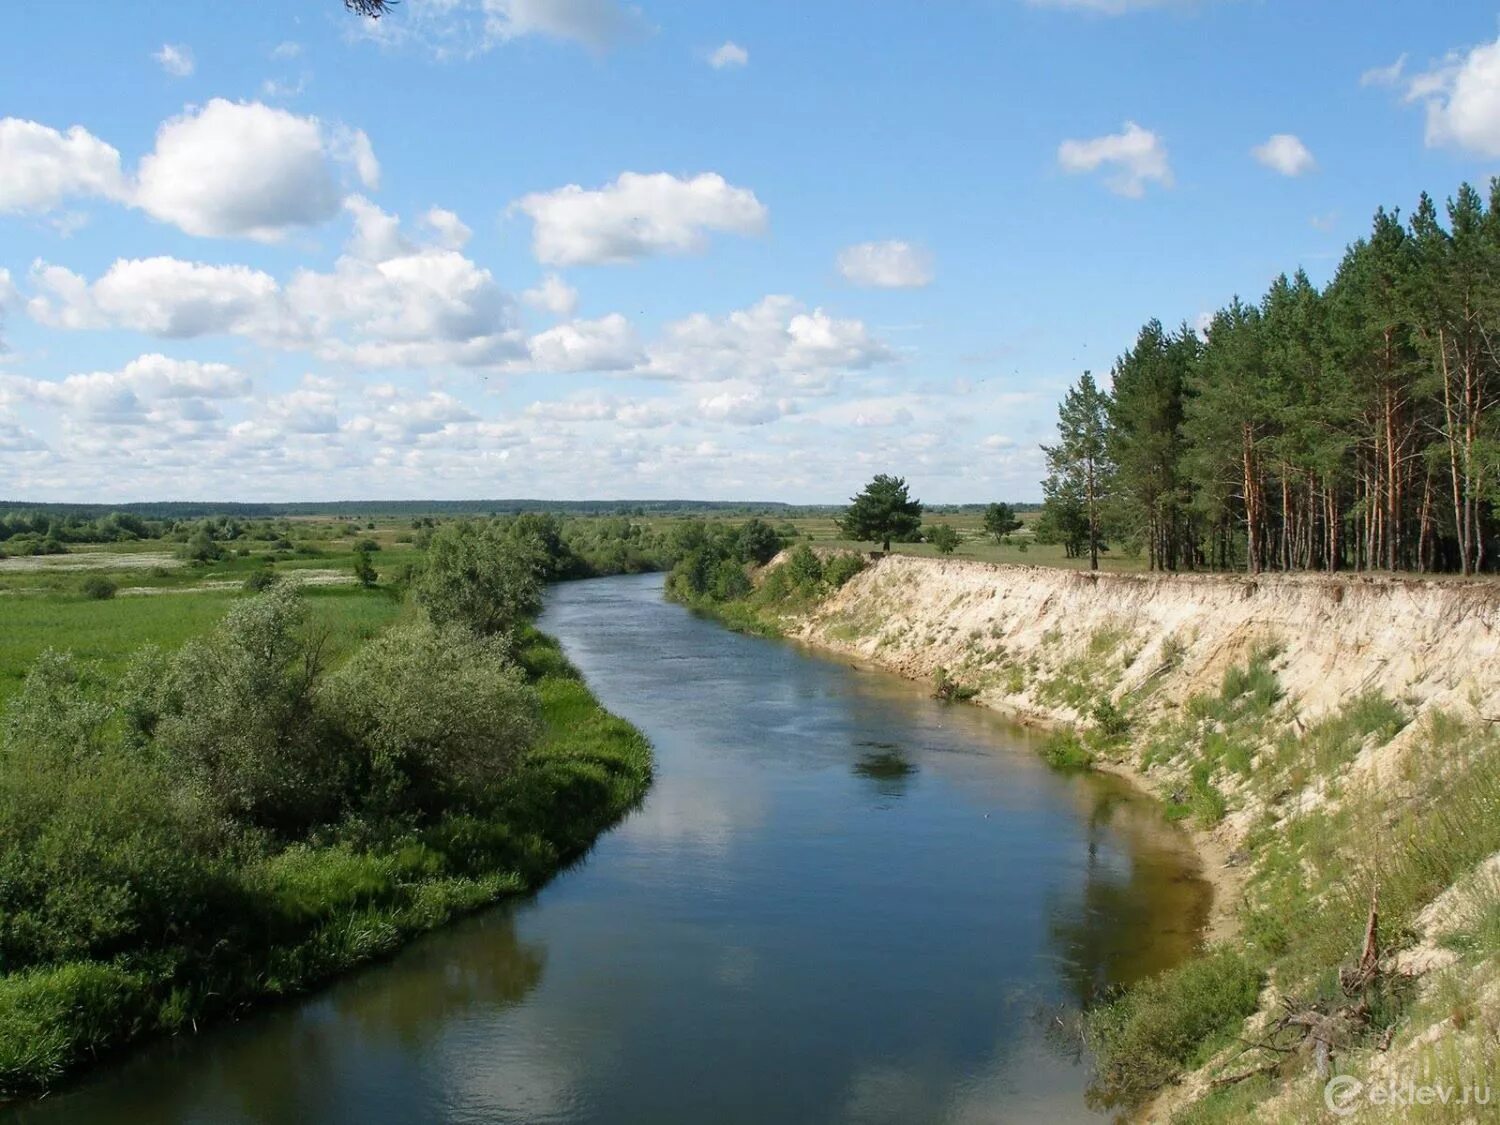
(882, 512)
(1000, 520)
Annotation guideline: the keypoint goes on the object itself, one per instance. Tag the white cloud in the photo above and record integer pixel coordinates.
(643, 414)
(289, 49)
(458, 29)
(637, 216)
(776, 338)
(886, 265)
(448, 230)
(163, 296)
(244, 169)
(552, 294)
(1462, 96)
(40, 167)
(9, 297)
(1286, 154)
(400, 418)
(606, 344)
(728, 57)
(749, 408)
(1132, 158)
(390, 303)
(175, 59)
(129, 395)
(598, 24)
(1384, 75)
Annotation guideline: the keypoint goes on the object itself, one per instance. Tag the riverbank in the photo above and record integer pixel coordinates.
(1325, 739)
(330, 906)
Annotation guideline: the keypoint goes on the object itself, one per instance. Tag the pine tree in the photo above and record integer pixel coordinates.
(1081, 465)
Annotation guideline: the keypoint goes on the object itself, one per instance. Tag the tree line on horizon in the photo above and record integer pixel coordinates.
(1352, 426)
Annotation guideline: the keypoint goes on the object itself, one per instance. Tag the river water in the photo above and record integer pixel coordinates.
(841, 901)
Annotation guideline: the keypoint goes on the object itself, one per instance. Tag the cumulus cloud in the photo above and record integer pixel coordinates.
(730, 56)
(162, 296)
(597, 24)
(747, 408)
(606, 344)
(10, 296)
(886, 265)
(1132, 159)
(244, 169)
(776, 338)
(629, 414)
(1462, 97)
(40, 167)
(457, 29)
(1286, 154)
(637, 216)
(552, 294)
(391, 303)
(398, 417)
(131, 393)
(447, 229)
(175, 59)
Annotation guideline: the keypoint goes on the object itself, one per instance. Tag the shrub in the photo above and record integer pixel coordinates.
(237, 714)
(480, 577)
(946, 688)
(842, 567)
(97, 588)
(1167, 1023)
(1064, 750)
(262, 580)
(804, 569)
(437, 715)
(943, 537)
(1110, 720)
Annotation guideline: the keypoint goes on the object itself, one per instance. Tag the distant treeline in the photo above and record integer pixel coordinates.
(1352, 426)
(169, 510)
(194, 509)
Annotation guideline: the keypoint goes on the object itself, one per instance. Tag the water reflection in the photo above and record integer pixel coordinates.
(1140, 907)
(841, 901)
(888, 766)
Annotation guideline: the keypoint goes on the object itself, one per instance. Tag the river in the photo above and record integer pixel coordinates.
(841, 901)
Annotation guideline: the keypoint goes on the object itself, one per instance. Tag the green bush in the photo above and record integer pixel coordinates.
(1167, 1024)
(236, 714)
(261, 580)
(479, 576)
(97, 588)
(436, 715)
(1064, 750)
(842, 567)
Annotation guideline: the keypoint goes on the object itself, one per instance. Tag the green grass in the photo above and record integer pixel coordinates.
(107, 632)
(1168, 1023)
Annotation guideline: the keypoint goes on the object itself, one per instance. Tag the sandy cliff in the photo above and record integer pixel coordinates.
(1013, 632)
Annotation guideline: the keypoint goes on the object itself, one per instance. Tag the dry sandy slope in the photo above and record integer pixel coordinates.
(1422, 642)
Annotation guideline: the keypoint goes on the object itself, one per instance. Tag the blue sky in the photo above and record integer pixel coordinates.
(582, 248)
